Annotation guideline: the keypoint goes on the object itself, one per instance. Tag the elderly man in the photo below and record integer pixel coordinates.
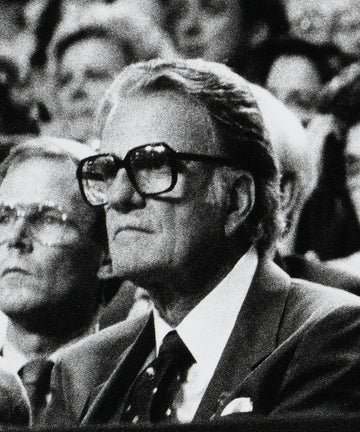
(51, 248)
(191, 194)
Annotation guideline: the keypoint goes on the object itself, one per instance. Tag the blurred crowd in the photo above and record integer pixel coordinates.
(58, 57)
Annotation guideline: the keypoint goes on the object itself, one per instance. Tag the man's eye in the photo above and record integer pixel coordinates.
(4, 218)
(97, 74)
(149, 162)
(50, 219)
(63, 80)
(105, 170)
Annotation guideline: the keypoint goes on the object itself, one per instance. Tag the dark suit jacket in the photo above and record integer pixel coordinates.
(85, 365)
(294, 349)
(14, 404)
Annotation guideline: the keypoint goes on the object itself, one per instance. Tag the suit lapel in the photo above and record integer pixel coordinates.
(253, 338)
(109, 401)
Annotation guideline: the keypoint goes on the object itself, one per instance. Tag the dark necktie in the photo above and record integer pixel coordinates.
(151, 396)
(35, 375)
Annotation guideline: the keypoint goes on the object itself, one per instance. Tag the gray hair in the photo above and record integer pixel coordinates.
(293, 150)
(60, 149)
(235, 114)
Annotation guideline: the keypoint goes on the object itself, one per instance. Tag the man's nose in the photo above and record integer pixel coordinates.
(122, 194)
(78, 90)
(19, 237)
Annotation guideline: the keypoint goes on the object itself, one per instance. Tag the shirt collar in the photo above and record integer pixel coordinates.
(16, 359)
(206, 329)
(13, 357)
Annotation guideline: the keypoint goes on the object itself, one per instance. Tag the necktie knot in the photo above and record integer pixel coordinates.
(35, 375)
(173, 347)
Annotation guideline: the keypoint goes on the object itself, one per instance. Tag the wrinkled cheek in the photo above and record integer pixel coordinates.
(131, 254)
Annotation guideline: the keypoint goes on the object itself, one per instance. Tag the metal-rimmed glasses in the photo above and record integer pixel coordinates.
(45, 223)
(151, 168)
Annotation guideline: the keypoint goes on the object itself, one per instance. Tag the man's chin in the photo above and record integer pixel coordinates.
(140, 275)
(19, 290)
(36, 317)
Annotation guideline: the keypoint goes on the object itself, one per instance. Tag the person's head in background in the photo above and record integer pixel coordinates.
(295, 72)
(16, 38)
(297, 162)
(15, 116)
(51, 247)
(154, 9)
(341, 98)
(329, 225)
(223, 30)
(87, 56)
(326, 21)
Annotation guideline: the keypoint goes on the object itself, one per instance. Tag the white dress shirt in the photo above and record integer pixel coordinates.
(206, 330)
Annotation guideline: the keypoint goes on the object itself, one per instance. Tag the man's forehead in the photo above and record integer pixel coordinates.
(41, 179)
(164, 116)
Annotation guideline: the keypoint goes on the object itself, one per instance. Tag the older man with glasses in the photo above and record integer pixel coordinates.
(190, 188)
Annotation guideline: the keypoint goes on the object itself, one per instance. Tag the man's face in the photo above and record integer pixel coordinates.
(86, 70)
(36, 277)
(210, 29)
(177, 231)
(300, 91)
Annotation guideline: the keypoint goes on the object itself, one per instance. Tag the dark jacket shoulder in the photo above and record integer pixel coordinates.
(84, 366)
(311, 269)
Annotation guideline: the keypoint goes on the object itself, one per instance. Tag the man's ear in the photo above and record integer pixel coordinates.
(242, 199)
(288, 195)
(105, 269)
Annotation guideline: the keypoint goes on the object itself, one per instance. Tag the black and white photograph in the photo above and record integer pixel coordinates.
(180, 215)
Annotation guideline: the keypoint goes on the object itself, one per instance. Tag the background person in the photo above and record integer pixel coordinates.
(51, 246)
(295, 72)
(335, 203)
(86, 55)
(224, 30)
(299, 175)
(326, 21)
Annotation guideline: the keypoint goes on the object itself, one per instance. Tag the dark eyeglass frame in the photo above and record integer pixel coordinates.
(173, 157)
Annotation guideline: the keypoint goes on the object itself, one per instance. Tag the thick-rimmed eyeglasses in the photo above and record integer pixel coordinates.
(151, 168)
(45, 223)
